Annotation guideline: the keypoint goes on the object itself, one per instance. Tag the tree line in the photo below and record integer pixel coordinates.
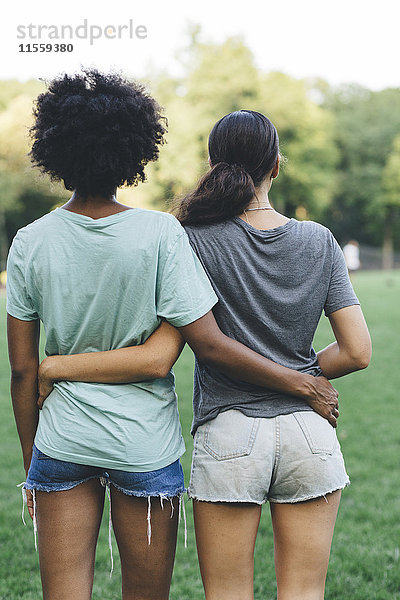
(342, 145)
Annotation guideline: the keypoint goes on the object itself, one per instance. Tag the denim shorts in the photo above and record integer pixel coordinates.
(48, 474)
(52, 475)
(286, 459)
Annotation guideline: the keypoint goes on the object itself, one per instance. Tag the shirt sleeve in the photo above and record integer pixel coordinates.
(184, 292)
(340, 291)
(19, 303)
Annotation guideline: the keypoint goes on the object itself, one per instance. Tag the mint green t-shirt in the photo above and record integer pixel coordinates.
(101, 284)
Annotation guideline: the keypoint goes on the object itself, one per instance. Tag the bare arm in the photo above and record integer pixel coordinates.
(352, 349)
(23, 350)
(151, 360)
(209, 344)
(239, 362)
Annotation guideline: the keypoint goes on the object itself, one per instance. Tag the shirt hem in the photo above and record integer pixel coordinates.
(90, 461)
(344, 304)
(194, 314)
(21, 317)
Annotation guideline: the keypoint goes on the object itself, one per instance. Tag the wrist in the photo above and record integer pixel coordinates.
(27, 457)
(304, 386)
(47, 369)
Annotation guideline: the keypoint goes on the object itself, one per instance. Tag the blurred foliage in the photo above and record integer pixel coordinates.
(222, 79)
(391, 176)
(342, 145)
(366, 124)
(391, 202)
(25, 195)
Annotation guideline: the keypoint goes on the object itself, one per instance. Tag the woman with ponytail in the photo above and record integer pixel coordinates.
(273, 277)
(257, 437)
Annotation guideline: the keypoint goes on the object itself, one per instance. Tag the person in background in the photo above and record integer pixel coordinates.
(351, 253)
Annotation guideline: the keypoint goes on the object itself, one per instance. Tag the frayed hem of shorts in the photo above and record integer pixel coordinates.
(225, 500)
(311, 497)
(265, 500)
(167, 494)
(61, 488)
(106, 484)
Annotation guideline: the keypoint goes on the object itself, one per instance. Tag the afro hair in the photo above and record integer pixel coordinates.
(96, 132)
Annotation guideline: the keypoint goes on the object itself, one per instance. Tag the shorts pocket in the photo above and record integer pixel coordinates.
(230, 435)
(319, 434)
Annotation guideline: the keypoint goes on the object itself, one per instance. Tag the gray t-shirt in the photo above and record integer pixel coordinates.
(272, 286)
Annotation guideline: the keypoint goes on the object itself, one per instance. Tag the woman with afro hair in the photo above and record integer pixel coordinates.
(122, 287)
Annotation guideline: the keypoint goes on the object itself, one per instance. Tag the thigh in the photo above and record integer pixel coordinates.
(302, 540)
(68, 525)
(146, 565)
(225, 536)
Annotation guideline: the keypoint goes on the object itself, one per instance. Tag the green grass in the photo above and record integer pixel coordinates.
(365, 562)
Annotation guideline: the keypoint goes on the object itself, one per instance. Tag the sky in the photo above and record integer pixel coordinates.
(341, 41)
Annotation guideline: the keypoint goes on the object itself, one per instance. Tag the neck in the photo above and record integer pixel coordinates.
(261, 199)
(94, 206)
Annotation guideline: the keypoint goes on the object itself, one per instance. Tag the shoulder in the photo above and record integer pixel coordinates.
(313, 231)
(312, 227)
(219, 226)
(30, 232)
(163, 220)
(210, 231)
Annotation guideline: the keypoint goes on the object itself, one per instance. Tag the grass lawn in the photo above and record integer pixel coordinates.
(365, 563)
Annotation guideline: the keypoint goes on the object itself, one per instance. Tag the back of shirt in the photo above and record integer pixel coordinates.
(272, 286)
(101, 284)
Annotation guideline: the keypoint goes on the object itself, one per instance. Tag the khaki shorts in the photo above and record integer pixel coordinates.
(289, 458)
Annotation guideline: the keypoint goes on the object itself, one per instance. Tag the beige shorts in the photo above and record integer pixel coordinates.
(289, 458)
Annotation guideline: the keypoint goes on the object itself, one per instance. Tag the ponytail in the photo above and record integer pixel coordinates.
(244, 137)
(222, 193)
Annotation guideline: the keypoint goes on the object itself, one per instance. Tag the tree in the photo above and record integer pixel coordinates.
(306, 132)
(24, 194)
(366, 124)
(391, 202)
(222, 78)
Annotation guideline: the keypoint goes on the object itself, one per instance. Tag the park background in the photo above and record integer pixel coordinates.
(337, 111)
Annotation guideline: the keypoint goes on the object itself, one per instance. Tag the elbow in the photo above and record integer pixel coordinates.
(163, 370)
(361, 359)
(358, 364)
(363, 362)
(160, 369)
(24, 372)
(205, 352)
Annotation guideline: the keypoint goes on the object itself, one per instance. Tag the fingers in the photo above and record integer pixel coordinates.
(333, 417)
(29, 502)
(45, 389)
(332, 420)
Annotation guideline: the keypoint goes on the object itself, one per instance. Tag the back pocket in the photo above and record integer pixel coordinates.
(320, 435)
(230, 435)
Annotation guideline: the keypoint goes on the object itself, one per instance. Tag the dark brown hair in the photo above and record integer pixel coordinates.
(243, 148)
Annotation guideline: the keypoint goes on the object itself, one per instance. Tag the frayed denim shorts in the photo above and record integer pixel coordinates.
(285, 459)
(48, 474)
(52, 475)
